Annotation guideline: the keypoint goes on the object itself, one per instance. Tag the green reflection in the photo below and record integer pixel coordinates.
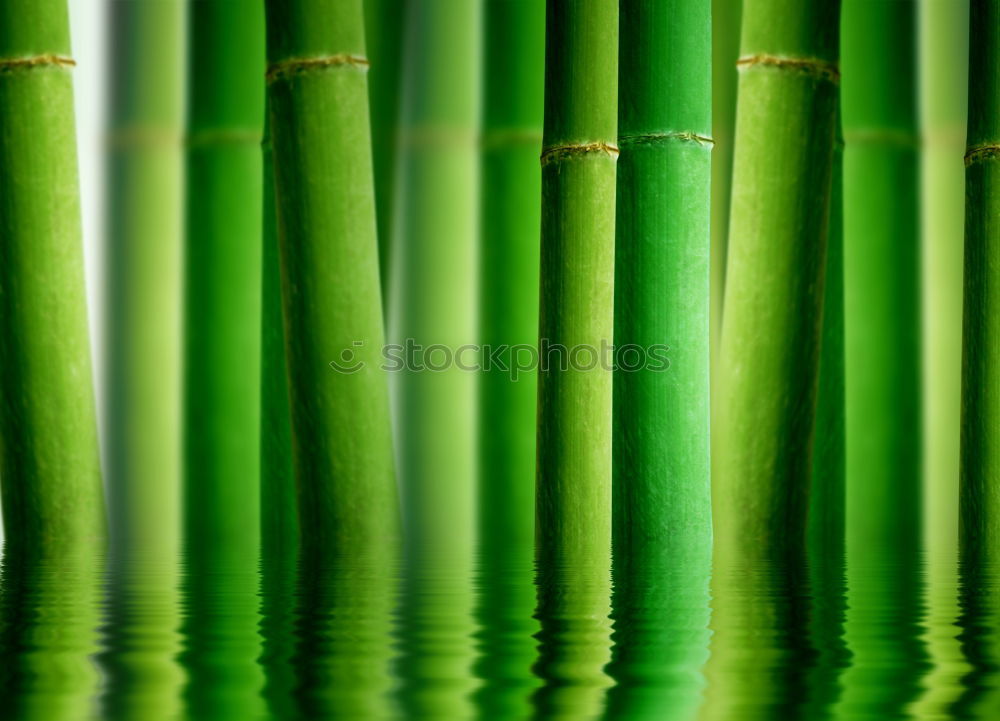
(49, 616)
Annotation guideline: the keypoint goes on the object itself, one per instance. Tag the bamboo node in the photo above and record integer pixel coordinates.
(224, 136)
(293, 66)
(49, 60)
(559, 152)
(982, 153)
(814, 67)
(684, 136)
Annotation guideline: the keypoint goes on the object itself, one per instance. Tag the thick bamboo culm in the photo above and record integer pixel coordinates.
(145, 222)
(882, 277)
(53, 500)
(222, 318)
(980, 494)
(764, 412)
(325, 203)
(662, 498)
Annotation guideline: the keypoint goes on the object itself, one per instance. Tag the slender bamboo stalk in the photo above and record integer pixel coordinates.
(725, 52)
(980, 497)
(944, 83)
(513, 103)
(511, 213)
(573, 504)
(882, 277)
(318, 100)
(53, 502)
(769, 358)
(223, 285)
(384, 38)
(662, 496)
(145, 219)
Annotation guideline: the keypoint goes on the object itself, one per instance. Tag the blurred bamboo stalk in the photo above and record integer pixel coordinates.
(325, 202)
(53, 500)
(980, 495)
(145, 221)
(223, 285)
(769, 357)
(384, 31)
(882, 278)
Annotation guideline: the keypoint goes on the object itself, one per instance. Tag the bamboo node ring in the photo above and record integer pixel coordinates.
(293, 66)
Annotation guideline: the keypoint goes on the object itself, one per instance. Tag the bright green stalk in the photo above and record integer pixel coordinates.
(511, 213)
(882, 277)
(725, 53)
(434, 288)
(384, 38)
(980, 495)
(577, 290)
(944, 56)
(145, 174)
(433, 294)
(223, 283)
(53, 502)
(318, 100)
(768, 367)
(662, 497)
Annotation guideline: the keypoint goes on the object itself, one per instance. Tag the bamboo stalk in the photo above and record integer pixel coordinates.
(433, 301)
(725, 52)
(144, 271)
(882, 278)
(342, 443)
(777, 251)
(223, 285)
(573, 503)
(513, 103)
(384, 38)
(980, 499)
(662, 496)
(53, 501)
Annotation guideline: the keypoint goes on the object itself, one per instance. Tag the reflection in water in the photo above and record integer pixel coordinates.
(343, 642)
(763, 660)
(49, 619)
(574, 607)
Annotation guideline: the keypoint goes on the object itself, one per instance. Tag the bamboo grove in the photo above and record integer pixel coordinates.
(692, 228)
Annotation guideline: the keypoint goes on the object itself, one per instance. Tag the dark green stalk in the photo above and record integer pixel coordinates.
(662, 497)
(980, 495)
(318, 102)
(725, 53)
(53, 502)
(384, 38)
(769, 357)
(513, 102)
(145, 219)
(882, 277)
(223, 284)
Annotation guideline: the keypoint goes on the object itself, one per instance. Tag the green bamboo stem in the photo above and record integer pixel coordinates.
(573, 503)
(662, 495)
(513, 102)
(145, 175)
(342, 442)
(980, 497)
(384, 38)
(725, 53)
(769, 355)
(511, 187)
(882, 278)
(943, 58)
(223, 284)
(53, 500)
